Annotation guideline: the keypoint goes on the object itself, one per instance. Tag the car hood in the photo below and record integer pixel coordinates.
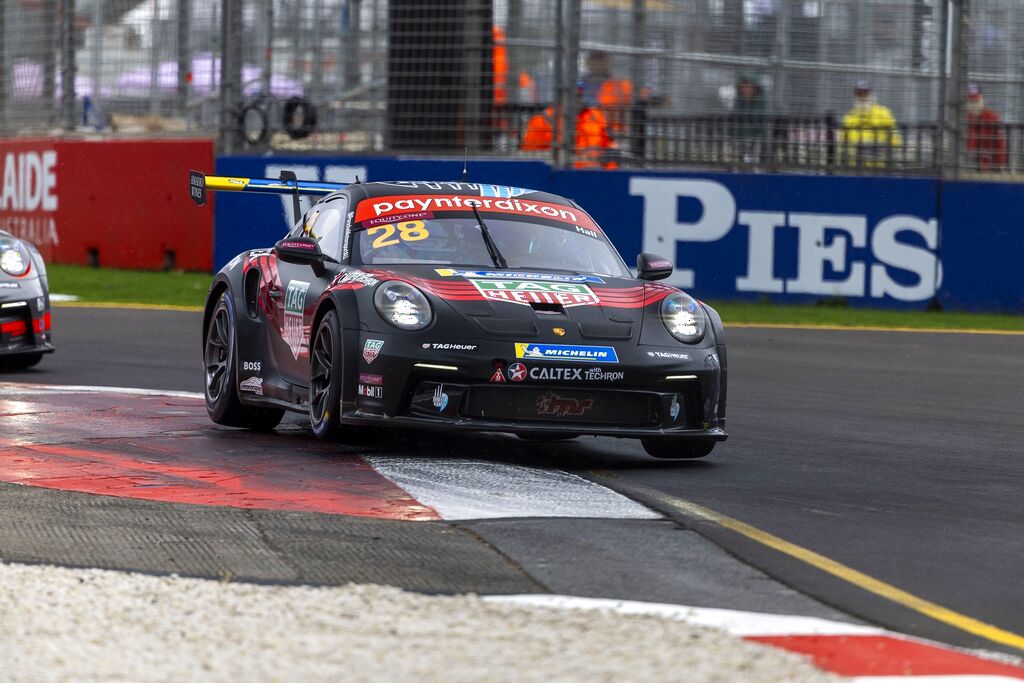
(506, 304)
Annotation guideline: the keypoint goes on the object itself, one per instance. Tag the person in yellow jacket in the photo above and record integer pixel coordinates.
(869, 133)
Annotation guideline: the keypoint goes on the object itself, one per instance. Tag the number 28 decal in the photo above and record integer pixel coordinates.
(407, 231)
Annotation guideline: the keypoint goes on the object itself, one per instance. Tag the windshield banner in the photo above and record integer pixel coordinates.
(371, 211)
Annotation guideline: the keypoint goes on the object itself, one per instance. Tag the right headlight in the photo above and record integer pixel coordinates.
(14, 258)
(402, 305)
(684, 318)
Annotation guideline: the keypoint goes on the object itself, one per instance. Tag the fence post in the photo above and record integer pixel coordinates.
(184, 46)
(567, 97)
(67, 66)
(3, 66)
(230, 75)
(49, 60)
(955, 13)
(635, 120)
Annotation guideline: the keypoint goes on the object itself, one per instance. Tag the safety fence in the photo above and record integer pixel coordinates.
(931, 87)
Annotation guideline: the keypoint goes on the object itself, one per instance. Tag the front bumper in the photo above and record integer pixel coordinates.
(25, 324)
(411, 383)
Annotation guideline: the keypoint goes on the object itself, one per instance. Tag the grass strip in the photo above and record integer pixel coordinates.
(108, 285)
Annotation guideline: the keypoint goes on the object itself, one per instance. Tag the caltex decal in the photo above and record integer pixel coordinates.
(567, 352)
(295, 334)
(517, 372)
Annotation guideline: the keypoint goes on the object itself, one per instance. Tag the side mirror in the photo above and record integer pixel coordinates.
(301, 250)
(651, 267)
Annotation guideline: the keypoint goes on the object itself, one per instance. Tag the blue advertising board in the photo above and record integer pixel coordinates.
(880, 242)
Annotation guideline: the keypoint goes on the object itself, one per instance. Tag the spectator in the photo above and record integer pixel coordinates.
(526, 87)
(748, 120)
(869, 130)
(986, 143)
(593, 141)
(600, 89)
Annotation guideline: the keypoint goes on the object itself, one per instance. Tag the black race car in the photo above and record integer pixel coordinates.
(457, 306)
(24, 304)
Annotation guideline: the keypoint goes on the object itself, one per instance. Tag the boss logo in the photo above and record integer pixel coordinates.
(253, 365)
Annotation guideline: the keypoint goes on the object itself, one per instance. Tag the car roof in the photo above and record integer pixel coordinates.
(362, 191)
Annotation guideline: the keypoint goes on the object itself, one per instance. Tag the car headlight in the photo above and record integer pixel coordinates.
(14, 258)
(684, 318)
(402, 305)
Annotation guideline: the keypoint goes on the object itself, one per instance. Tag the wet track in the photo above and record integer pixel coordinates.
(896, 455)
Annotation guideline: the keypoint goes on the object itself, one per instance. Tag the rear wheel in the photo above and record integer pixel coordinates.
(20, 361)
(681, 449)
(221, 380)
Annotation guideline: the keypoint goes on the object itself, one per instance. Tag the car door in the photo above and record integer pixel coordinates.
(296, 289)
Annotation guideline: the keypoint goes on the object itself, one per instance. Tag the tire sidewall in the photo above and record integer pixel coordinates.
(229, 396)
(330, 425)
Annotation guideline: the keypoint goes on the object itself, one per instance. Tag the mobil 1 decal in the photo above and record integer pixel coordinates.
(294, 305)
(515, 292)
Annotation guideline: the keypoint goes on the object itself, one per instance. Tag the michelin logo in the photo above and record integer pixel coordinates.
(566, 352)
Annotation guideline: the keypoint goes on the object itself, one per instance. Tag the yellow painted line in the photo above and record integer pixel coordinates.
(127, 306)
(865, 328)
(837, 569)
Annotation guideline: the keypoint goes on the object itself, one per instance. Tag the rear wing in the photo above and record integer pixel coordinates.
(200, 183)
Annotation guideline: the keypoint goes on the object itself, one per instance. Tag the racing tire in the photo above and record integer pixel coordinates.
(221, 377)
(678, 449)
(325, 379)
(541, 437)
(21, 361)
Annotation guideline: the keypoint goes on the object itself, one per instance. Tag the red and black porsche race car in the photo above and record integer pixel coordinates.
(24, 304)
(457, 306)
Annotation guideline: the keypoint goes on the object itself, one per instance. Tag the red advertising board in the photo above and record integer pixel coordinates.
(121, 203)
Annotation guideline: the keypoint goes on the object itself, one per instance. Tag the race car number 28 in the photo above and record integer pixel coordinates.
(408, 231)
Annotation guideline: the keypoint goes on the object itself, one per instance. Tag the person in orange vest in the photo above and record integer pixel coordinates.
(524, 81)
(593, 140)
(600, 88)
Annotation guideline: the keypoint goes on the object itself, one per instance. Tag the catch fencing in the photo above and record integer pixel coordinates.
(753, 85)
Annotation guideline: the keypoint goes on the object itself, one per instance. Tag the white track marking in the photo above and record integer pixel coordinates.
(63, 297)
(735, 622)
(13, 388)
(476, 489)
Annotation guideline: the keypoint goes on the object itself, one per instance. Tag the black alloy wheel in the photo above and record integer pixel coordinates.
(221, 383)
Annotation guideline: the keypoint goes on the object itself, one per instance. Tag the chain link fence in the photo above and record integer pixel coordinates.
(922, 87)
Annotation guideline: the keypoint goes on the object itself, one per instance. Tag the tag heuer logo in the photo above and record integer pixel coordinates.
(563, 293)
(371, 349)
(295, 334)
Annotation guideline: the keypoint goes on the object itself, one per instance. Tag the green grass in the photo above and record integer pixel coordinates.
(105, 285)
(742, 312)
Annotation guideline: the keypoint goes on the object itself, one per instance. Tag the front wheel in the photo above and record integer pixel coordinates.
(325, 379)
(678, 448)
(221, 379)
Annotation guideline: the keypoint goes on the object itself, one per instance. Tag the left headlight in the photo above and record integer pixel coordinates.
(14, 258)
(684, 318)
(402, 305)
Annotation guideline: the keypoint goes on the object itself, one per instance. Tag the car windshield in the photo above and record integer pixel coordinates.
(458, 240)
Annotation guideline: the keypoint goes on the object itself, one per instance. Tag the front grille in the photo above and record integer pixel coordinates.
(536, 404)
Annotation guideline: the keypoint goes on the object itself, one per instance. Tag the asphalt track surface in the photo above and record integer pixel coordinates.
(894, 454)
